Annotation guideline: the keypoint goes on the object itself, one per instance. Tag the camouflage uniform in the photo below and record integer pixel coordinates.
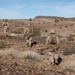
(56, 57)
(6, 27)
(28, 32)
(52, 41)
(53, 58)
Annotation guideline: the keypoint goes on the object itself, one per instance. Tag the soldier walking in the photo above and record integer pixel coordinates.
(52, 42)
(28, 33)
(5, 24)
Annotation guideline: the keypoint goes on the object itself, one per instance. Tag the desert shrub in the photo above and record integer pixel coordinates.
(2, 37)
(70, 69)
(46, 30)
(36, 32)
(70, 38)
(31, 56)
(56, 20)
(30, 19)
(18, 31)
(5, 20)
(59, 36)
(69, 51)
(2, 44)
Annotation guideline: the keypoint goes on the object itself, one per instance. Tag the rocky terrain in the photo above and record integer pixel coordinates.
(17, 59)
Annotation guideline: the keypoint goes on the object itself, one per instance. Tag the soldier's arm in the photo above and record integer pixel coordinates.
(58, 43)
(7, 24)
(25, 30)
(2, 24)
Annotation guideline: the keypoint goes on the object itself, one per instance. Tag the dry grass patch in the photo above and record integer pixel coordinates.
(32, 56)
(36, 32)
(71, 69)
(69, 51)
(18, 31)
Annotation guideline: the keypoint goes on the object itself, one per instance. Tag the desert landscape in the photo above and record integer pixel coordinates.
(18, 59)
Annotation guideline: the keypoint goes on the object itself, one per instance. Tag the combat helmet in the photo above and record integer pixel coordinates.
(52, 31)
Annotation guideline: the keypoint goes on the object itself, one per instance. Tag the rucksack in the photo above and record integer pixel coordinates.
(53, 40)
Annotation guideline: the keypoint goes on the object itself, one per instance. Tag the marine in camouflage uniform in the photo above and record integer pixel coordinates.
(5, 24)
(28, 33)
(52, 41)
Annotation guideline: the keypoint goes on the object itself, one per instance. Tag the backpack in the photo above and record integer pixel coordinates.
(53, 40)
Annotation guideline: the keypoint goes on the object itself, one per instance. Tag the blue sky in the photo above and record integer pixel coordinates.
(24, 9)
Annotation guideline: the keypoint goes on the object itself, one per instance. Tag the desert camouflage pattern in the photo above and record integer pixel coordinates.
(29, 42)
(6, 27)
(28, 33)
(52, 42)
(53, 58)
(56, 57)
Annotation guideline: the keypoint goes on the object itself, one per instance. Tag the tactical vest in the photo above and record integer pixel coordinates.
(29, 32)
(52, 40)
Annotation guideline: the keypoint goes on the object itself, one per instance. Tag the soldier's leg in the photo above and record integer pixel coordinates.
(56, 61)
(56, 57)
(30, 42)
(4, 30)
(27, 41)
(52, 63)
(52, 60)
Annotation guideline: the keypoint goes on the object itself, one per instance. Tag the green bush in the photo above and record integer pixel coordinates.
(30, 19)
(36, 32)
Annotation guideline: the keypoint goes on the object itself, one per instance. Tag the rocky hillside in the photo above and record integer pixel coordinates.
(54, 17)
